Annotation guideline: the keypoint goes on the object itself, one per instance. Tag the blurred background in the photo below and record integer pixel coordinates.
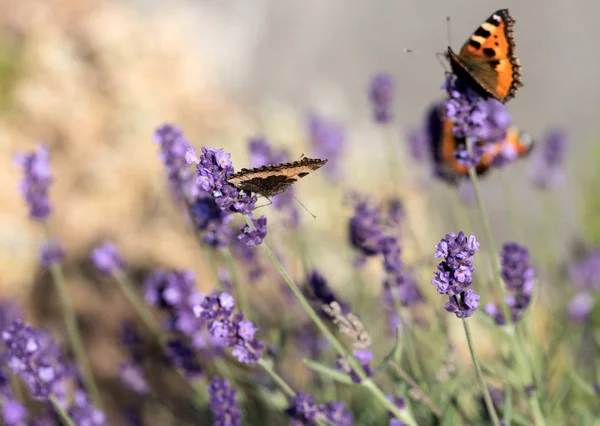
(93, 79)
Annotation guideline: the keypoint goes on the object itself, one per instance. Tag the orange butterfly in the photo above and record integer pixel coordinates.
(444, 145)
(486, 59)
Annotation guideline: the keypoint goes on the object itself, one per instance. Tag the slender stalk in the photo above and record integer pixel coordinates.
(401, 414)
(484, 389)
(434, 409)
(509, 203)
(75, 338)
(495, 265)
(62, 413)
(138, 304)
(276, 378)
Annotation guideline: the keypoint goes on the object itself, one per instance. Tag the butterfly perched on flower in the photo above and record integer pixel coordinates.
(273, 179)
(486, 61)
(444, 145)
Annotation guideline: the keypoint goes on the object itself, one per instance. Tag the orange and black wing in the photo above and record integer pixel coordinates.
(487, 60)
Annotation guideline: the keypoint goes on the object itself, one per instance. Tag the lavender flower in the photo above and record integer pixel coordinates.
(106, 258)
(321, 291)
(173, 149)
(398, 402)
(306, 412)
(364, 357)
(84, 413)
(13, 413)
(254, 236)
(328, 141)
(212, 221)
(547, 165)
(223, 403)
(213, 167)
(381, 94)
(366, 229)
(132, 377)
(51, 252)
(580, 306)
(36, 181)
(232, 329)
(584, 272)
(32, 355)
(484, 120)
(454, 274)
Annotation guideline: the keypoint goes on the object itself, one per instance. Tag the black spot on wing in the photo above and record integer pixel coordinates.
(489, 52)
(302, 174)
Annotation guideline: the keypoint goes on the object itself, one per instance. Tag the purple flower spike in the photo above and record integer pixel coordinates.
(483, 120)
(106, 258)
(84, 413)
(33, 355)
(547, 165)
(454, 274)
(329, 141)
(223, 403)
(13, 413)
(232, 330)
(254, 237)
(580, 306)
(36, 181)
(51, 252)
(381, 94)
(174, 154)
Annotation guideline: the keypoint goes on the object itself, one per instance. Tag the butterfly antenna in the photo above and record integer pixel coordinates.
(301, 157)
(304, 207)
(448, 32)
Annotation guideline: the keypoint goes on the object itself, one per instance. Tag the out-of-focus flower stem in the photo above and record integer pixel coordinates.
(73, 330)
(401, 414)
(484, 389)
(64, 416)
(495, 265)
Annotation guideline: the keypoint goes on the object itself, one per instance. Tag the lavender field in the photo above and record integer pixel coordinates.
(403, 248)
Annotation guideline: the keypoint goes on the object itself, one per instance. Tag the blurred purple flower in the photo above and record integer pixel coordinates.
(381, 95)
(232, 329)
(454, 273)
(106, 258)
(173, 150)
(33, 355)
(328, 141)
(518, 275)
(321, 291)
(36, 181)
(366, 229)
(364, 357)
(254, 236)
(13, 413)
(84, 413)
(181, 354)
(212, 221)
(223, 403)
(51, 252)
(580, 306)
(132, 377)
(398, 402)
(337, 413)
(584, 271)
(547, 164)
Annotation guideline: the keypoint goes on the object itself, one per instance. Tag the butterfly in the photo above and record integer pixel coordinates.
(444, 144)
(273, 179)
(486, 61)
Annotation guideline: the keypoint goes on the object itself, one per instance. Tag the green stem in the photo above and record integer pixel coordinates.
(495, 265)
(401, 414)
(138, 304)
(62, 413)
(484, 389)
(73, 330)
(276, 378)
(509, 203)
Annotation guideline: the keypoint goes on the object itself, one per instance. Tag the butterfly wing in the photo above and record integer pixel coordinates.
(487, 59)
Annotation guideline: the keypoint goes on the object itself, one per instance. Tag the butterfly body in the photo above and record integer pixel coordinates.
(486, 61)
(444, 145)
(273, 179)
